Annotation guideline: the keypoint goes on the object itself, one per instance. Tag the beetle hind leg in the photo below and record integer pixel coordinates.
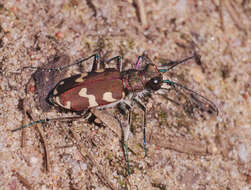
(96, 63)
(92, 118)
(119, 62)
(125, 109)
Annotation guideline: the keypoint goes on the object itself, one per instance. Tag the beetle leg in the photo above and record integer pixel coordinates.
(46, 120)
(126, 137)
(88, 115)
(142, 59)
(143, 108)
(125, 107)
(96, 56)
(139, 61)
(96, 63)
(92, 118)
(119, 62)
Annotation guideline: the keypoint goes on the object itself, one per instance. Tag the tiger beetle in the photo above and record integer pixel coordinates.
(109, 87)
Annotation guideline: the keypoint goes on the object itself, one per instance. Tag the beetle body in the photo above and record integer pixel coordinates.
(103, 88)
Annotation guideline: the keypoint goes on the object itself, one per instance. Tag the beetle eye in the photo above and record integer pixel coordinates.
(154, 83)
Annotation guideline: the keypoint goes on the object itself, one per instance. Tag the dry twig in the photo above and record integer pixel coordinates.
(236, 14)
(141, 12)
(179, 144)
(23, 180)
(86, 155)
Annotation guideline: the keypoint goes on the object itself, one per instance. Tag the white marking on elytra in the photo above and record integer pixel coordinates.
(99, 70)
(81, 78)
(55, 92)
(67, 106)
(88, 116)
(91, 98)
(61, 83)
(123, 94)
(107, 96)
(97, 121)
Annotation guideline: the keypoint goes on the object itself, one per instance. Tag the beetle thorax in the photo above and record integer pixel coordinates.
(133, 81)
(138, 80)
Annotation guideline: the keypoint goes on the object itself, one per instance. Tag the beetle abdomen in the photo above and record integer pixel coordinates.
(80, 92)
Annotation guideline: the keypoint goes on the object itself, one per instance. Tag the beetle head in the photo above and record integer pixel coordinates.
(152, 77)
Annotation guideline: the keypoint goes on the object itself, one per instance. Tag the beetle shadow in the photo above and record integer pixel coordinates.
(46, 80)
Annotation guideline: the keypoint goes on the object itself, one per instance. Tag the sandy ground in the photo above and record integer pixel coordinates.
(184, 151)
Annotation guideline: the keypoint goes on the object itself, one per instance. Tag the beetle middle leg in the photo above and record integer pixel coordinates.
(125, 109)
(119, 62)
(99, 64)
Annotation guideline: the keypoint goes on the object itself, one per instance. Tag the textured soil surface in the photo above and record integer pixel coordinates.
(186, 149)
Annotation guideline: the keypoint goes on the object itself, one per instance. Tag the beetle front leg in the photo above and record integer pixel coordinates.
(142, 59)
(139, 61)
